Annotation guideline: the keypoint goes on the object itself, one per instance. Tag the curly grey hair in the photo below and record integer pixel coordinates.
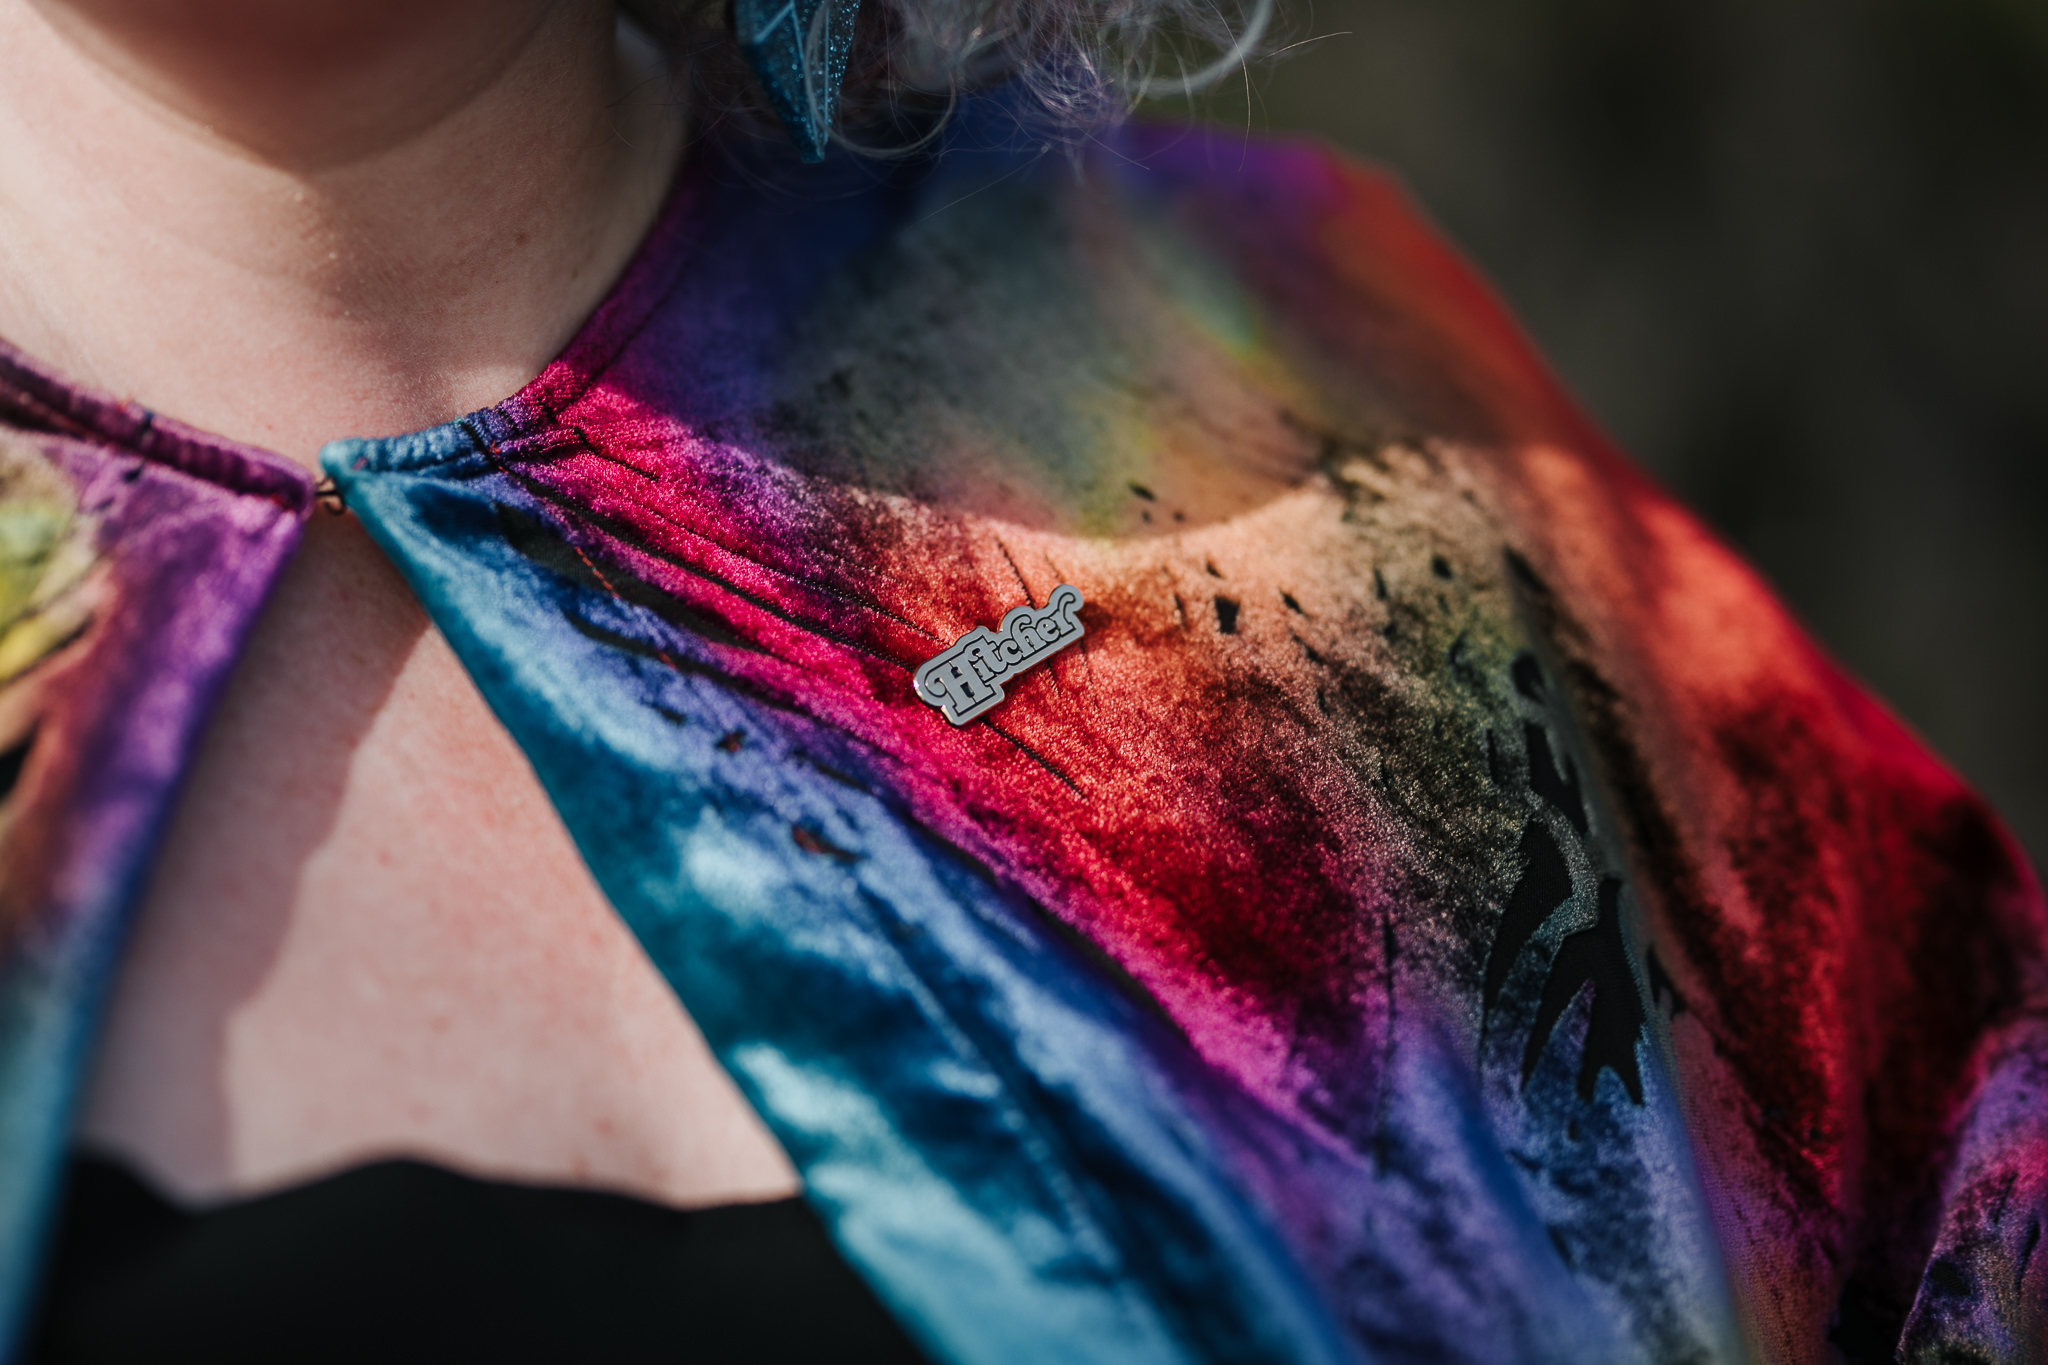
(1086, 62)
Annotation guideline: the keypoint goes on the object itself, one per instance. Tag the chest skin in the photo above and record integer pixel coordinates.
(367, 934)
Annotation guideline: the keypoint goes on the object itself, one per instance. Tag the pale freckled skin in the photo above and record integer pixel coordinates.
(367, 933)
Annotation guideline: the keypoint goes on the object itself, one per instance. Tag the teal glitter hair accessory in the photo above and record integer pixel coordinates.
(798, 48)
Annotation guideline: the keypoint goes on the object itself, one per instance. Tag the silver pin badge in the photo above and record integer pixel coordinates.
(966, 679)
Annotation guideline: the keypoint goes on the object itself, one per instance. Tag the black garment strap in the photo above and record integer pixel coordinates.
(401, 1262)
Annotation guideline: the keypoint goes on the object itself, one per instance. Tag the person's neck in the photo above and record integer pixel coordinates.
(291, 222)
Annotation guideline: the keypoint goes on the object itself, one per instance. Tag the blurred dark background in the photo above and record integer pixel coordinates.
(1794, 255)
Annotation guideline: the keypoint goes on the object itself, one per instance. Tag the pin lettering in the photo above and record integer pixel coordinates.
(966, 680)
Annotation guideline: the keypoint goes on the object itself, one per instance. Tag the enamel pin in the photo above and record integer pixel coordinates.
(966, 680)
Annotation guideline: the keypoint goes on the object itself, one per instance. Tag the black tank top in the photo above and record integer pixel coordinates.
(402, 1261)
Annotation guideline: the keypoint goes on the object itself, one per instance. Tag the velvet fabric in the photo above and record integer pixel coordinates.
(1442, 909)
(137, 553)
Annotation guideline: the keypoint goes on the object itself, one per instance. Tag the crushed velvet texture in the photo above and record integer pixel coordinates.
(137, 554)
(1443, 909)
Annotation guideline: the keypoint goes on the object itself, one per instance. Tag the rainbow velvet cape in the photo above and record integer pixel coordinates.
(1442, 909)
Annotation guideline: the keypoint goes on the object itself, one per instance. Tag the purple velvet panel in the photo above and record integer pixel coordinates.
(141, 553)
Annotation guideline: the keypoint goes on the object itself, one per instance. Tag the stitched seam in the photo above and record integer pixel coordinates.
(47, 403)
(568, 509)
(546, 406)
(842, 594)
